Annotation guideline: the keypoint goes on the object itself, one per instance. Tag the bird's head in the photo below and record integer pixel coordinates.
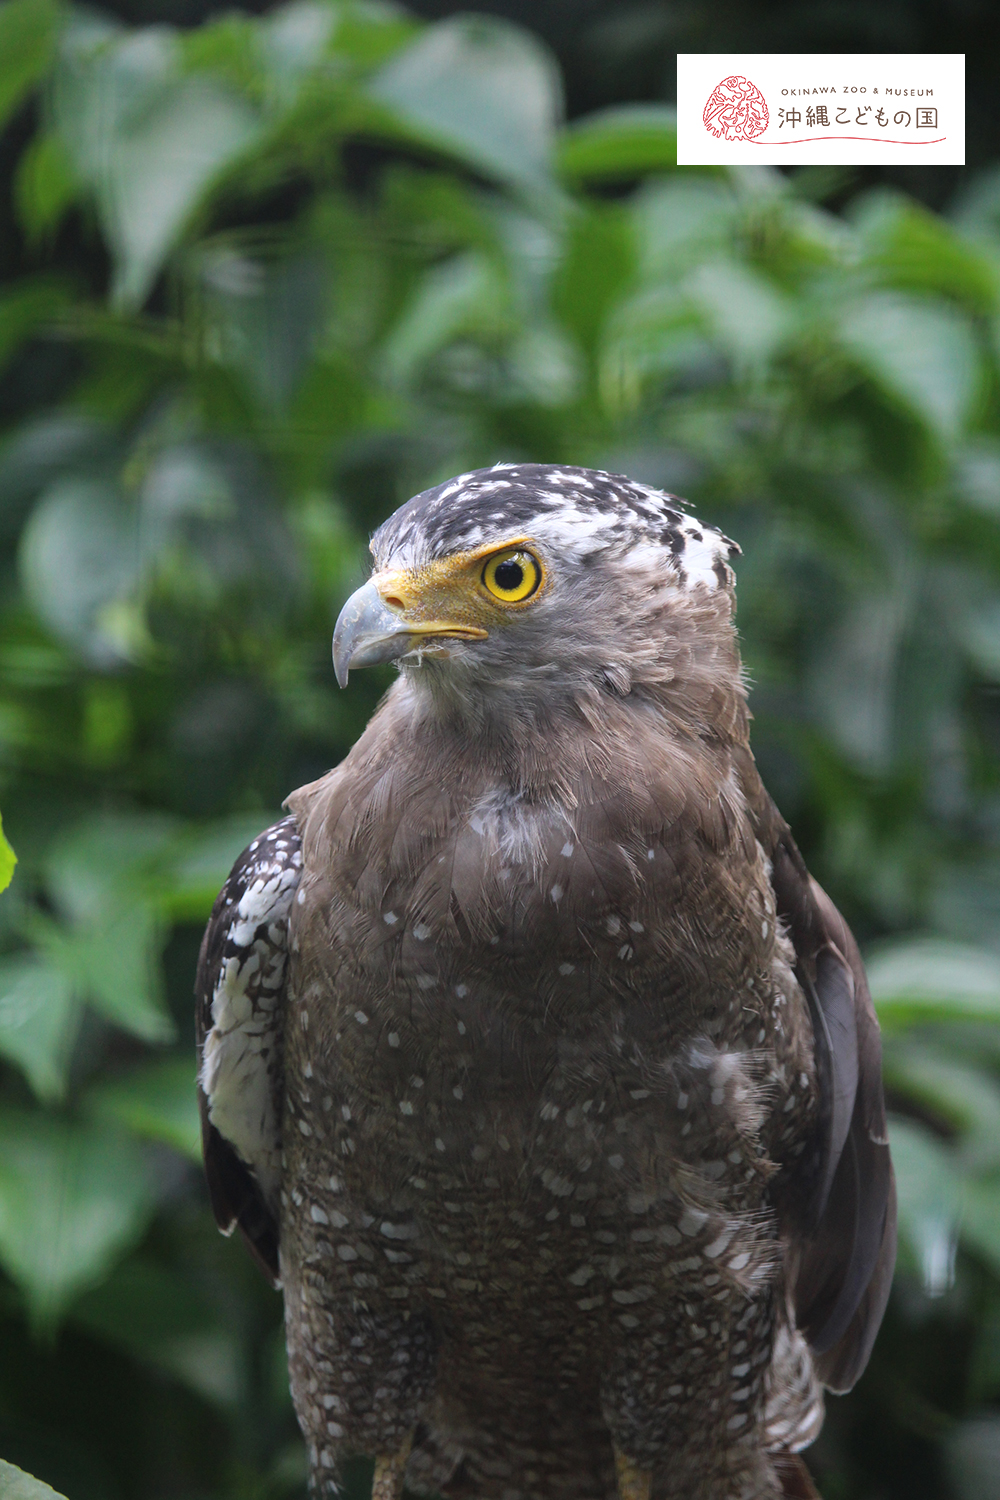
(539, 580)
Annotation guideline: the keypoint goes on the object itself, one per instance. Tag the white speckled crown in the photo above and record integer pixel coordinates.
(580, 511)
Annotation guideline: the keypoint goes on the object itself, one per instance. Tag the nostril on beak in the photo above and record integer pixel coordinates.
(393, 601)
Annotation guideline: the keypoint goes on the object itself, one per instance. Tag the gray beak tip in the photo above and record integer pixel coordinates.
(367, 632)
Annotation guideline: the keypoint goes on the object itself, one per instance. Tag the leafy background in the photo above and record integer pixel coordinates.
(263, 277)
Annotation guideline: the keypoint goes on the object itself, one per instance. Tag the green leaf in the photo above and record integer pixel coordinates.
(976, 210)
(543, 367)
(655, 332)
(979, 631)
(597, 266)
(931, 979)
(981, 1221)
(854, 678)
(160, 174)
(931, 1195)
(202, 862)
(483, 91)
(921, 352)
(230, 48)
(748, 315)
(628, 140)
(148, 141)
(158, 1101)
(463, 295)
(263, 313)
(100, 859)
(113, 963)
(964, 1096)
(15, 1484)
(79, 557)
(679, 221)
(24, 308)
(8, 859)
(44, 447)
(39, 1021)
(73, 1198)
(118, 963)
(371, 32)
(160, 1317)
(44, 185)
(912, 248)
(292, 43)
(27, 37)
(105, 875)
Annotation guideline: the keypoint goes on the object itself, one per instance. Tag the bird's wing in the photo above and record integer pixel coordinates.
(239, 994)
(840, 1201)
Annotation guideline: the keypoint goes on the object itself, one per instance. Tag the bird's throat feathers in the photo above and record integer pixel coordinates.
(522, 760)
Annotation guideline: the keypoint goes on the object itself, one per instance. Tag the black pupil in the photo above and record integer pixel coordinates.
(509, 575)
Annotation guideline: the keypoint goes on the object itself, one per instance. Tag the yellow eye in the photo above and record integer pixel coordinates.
(512, 576)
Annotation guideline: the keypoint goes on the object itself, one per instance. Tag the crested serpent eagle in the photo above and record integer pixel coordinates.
(533, 1065)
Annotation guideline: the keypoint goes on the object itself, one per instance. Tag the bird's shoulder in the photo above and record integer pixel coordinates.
(240, 992)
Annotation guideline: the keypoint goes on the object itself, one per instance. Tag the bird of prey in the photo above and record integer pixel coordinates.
(533, 1064)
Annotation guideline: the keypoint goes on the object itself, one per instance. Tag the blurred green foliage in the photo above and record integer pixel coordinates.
(328, 257)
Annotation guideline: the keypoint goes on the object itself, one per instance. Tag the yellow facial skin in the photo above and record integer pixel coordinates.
(464, 595)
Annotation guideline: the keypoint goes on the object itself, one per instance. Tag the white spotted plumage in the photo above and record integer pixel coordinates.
(574, 512)
(241, 1049)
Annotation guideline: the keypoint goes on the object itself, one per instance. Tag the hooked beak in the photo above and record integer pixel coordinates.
(369, 631)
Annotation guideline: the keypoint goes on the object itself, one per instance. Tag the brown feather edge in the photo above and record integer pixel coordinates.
(793, 1476)
(853, 1294)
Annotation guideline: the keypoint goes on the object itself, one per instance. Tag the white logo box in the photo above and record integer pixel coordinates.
(842, 108)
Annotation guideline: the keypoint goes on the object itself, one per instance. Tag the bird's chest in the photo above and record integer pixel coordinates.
(577, 1064)
(532, 998)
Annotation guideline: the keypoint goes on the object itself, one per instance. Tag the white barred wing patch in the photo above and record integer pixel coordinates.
(794, 1412)
(241, 1048)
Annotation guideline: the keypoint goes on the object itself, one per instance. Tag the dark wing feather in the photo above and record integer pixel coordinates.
(795, 1479)
(239, 994)
(832, 1006)
(840, 1300)
(839, 1203)
(236, 1199)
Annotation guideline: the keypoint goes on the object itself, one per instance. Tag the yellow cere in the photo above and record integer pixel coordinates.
(460, 595)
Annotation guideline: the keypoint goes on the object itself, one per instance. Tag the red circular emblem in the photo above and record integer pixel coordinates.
(737, 109)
